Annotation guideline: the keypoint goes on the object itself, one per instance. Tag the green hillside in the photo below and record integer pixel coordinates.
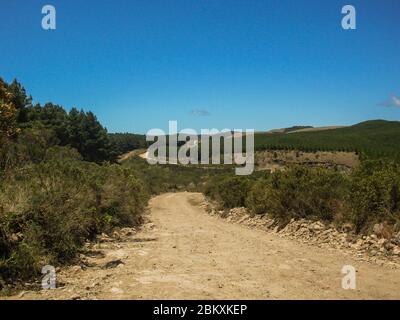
(375, 138)
(125, 142)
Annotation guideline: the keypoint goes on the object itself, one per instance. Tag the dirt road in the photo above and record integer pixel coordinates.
(183, 253)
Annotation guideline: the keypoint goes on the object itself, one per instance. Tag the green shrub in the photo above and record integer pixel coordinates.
(48, 210)
(299, 192)
(229, 191)
(258, 196)
(31, 146)
(374, 194)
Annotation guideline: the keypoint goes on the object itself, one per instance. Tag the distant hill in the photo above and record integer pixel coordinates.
(126, 142)
(308, 129)
(290, 129)
(375, 138)
(301, 129)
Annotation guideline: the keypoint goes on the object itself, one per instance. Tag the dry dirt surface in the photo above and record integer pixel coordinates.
(184, 253)
(280, 158)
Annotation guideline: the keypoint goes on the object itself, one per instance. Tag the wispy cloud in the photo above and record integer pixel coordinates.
(393, 101)
(200, 113)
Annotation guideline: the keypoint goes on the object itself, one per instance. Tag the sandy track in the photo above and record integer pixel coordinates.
(186, 254)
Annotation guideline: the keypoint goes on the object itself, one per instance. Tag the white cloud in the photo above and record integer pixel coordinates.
(396, 101)
(393, 101)
(200, 113)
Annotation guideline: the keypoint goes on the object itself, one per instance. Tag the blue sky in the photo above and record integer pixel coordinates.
(255, 64)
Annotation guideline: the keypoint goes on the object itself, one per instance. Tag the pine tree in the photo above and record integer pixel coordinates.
(20, 100)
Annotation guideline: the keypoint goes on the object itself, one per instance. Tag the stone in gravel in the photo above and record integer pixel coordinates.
(381, 242)
(22, 294)
(104, 238)
(317, 226)
(76, 269)
(112, 264)
(125, 232)
(116, 290)
(382, 230)
(347, 227)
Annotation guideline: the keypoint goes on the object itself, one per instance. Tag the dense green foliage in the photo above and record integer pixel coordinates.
(299, 193)
(374, 194)
(49, 209)
(125, 142)
(8, 114)
(229, 191)
(368, 195)
(374, 139)
(78, 129)
(57, 188)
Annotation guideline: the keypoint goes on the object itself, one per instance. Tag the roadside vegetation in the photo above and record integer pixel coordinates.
(368, 195)
(173, 178)
(59, 185)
